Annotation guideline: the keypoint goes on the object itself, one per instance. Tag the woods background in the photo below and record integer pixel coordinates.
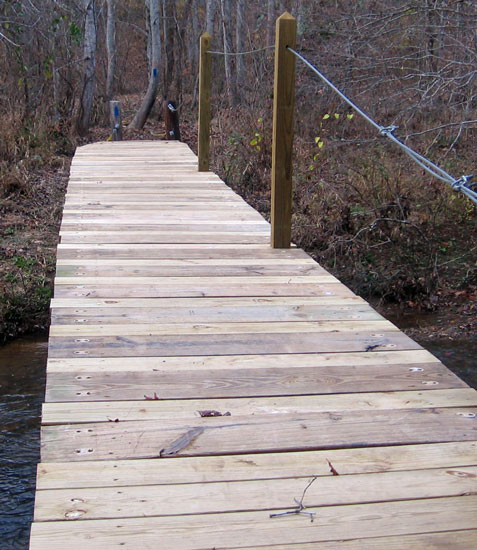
(362, 209)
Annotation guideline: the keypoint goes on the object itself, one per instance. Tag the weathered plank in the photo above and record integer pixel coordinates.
(232, 435)
(243, 496)
(183, 251)
(125, 473)
(155, 236)
(227, 344)
(245, 529)
(187, 269)
(121, 411)
(204, 313)
(223, 328)
(86, 384)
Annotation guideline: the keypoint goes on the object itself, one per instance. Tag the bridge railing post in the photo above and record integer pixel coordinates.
(282, 146)
(115, 117)
(204, 103)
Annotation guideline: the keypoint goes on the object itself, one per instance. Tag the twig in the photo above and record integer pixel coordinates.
(300, 507)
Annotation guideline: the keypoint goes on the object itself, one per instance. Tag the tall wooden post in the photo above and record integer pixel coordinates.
(204, 102)
(282, 148)
(115, 116)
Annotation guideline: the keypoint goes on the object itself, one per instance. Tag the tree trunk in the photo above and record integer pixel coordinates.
(210, 15)
(111, 48)
(300, 18)
(229, 84)
(194, 42)
(239, 42)
(270, 22)
(169, 31)
(141, 116)
(89, 67)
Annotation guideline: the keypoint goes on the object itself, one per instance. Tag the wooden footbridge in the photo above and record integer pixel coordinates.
(206, 391)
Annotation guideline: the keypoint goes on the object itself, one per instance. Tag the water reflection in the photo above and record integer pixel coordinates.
(22, 381)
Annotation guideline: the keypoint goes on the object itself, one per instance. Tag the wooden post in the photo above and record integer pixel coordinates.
(171, 120)
(115, 116)
(282, 147)
(204, 103)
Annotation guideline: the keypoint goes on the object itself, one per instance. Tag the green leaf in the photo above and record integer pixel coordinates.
(317, 139)
(320, 145)
(316, 156)
(337, 116)
(326, 117)
(350, 117)
(259, 120)
(253, 142)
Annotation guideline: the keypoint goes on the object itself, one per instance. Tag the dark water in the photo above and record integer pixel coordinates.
(22, 381)
(460, 356)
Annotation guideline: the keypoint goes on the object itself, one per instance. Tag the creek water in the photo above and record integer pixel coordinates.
(22, 386)
(22, 383)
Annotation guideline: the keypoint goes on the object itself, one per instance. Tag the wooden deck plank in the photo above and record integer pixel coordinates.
(245, 529)
(223, 328)
(180, 470)
(245, 496)
(209, 288)
(457, 540)
(227, 344)
(153, 236)
(235, 435)
(208, 314)
(87, 384)
(168, 252)
(416, 361)
(122, 411)
(186, 270)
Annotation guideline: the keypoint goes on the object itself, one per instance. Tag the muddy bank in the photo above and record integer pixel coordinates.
(30, 214)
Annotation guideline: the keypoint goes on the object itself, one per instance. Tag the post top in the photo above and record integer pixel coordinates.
(206, 35)
(286, 15)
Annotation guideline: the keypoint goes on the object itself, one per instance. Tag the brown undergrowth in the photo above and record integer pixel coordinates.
(34, 167)
(362, 209)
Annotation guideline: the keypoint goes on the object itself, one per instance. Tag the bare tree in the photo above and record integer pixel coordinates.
(239, 43)
(111, 47)
(230, 82)
(141, 116)
(168, 12)
(89, 67)
(270, 22)
(210, 16)
(194, 40)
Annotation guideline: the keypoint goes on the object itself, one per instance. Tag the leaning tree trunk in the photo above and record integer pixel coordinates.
(89, 67)
(111, 48)
(141, 116)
